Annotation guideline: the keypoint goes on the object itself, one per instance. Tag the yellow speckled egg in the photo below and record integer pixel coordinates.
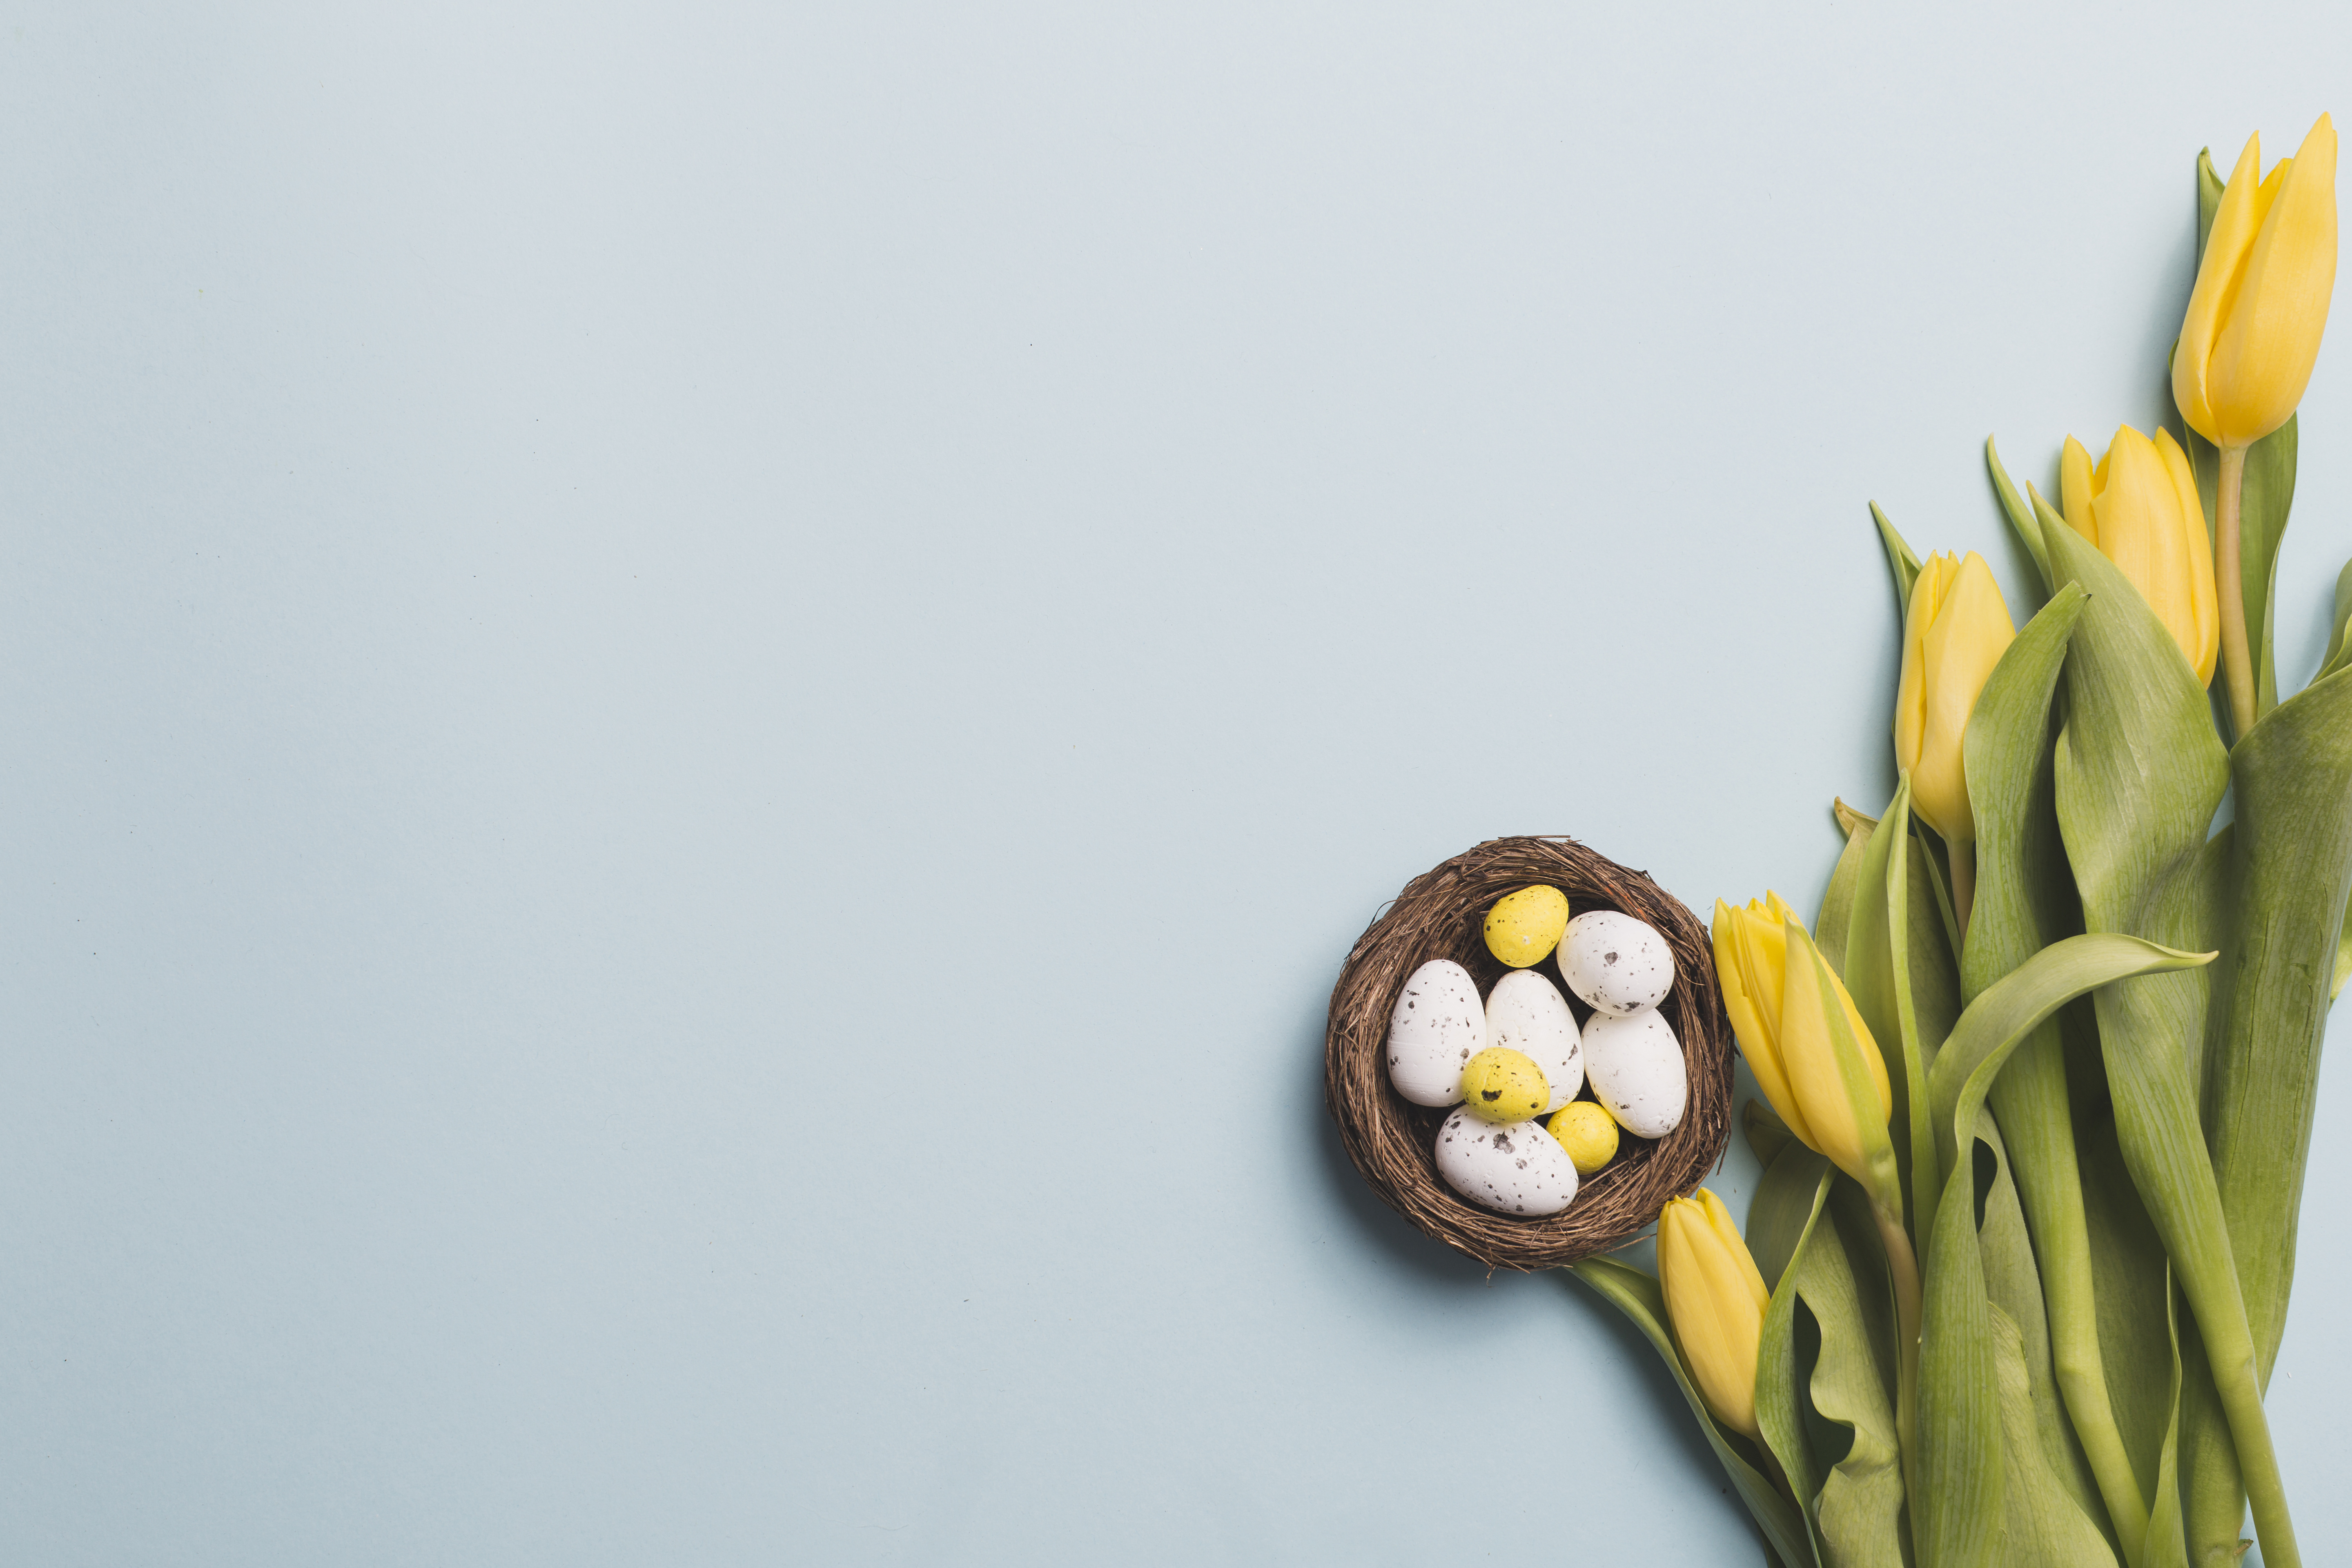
(1524, 926)
(1501, 1085)
(1588, 1133)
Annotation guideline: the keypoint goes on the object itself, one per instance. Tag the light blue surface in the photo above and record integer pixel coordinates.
(697, 704)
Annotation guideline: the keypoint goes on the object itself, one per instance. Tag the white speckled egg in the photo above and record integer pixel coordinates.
(1636, 1067)
(1517, 1168)
(1616, 963)
(1436, 1025)
(1527, 1013)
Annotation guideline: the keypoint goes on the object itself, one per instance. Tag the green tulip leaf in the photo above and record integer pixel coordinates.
(2020, 516)
(1903, 983)
(2024, 903)
(1962, 1479)
(1931, 857)
(2048, 1527)
(2051, 521)
(1767, 1135)
(2008, 1011)
(2139, 774)
(1962, 1507)
(2052, 1494)
(1837, 903)
(2133, 1293)
(2020, 897)
(1638, 1296)
(1781, 1208)
(1856, 1504)
(1779, 1409)
(2207, 1503)
(2338, 654)
(2293, 774)
(1899, 559)
(1961, 1430)
(2168, 1543)
(2208, 196)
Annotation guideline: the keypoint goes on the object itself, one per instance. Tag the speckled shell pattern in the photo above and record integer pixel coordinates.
(1615, 963)
(1515, 1170)
(1392, 1142)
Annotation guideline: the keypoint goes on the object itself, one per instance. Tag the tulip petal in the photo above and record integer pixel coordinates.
(2142, 531)
(1955, 651)
(1813, 1050)
(2270, 328)
(1911, 683)
(1638, 1296)
(1719, 1321)
(1727, 1230)
(2227, 246)
(2076, 488)
(1749, 951)
(2196, 560)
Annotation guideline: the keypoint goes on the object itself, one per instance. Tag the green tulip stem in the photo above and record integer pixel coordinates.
(1963, 857)
(1904, 1265)
(2232, 1353)
(2237, 659)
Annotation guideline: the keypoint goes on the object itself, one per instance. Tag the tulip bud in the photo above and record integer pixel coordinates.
(1715, 1300)
(2260, 303)
(2139, 507)
(1955, 632)
(1773, 979)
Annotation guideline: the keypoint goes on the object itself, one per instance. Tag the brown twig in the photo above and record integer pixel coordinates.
(1392, 1142)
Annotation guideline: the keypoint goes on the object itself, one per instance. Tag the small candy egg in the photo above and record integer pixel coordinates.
(1437, 1026)
(1513, 1169)
(1527, 1013)
(1636, 1067)
(1524, 926)
(1616, 963)
(1504, 1085)
(1588, 1133)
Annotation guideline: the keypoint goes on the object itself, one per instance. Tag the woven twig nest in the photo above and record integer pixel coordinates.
(1393, 1141)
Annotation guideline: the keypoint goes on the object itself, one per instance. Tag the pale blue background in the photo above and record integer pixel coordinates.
(698, 702)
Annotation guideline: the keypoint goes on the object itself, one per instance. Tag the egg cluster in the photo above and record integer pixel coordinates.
(1518, 1056)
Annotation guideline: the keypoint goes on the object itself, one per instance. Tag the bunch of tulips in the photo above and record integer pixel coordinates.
(2038, 1081)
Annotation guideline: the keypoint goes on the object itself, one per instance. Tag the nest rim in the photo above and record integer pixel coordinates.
(1391, 1142)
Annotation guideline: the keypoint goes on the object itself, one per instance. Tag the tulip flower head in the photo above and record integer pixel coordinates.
(1715, 1300)
(2139, 507)
(2260, 303)
(1777, 988)
(1955, 630)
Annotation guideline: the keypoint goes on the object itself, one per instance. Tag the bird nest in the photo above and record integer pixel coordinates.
(1392, 1142)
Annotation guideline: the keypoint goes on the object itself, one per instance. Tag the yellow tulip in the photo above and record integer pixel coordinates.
(2261, 298)
(1956, 631)
(1771, 975)
(2139, 507)
(1715, 1300)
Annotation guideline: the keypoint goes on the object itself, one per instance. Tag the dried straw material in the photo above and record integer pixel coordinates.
(1393, 1140)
